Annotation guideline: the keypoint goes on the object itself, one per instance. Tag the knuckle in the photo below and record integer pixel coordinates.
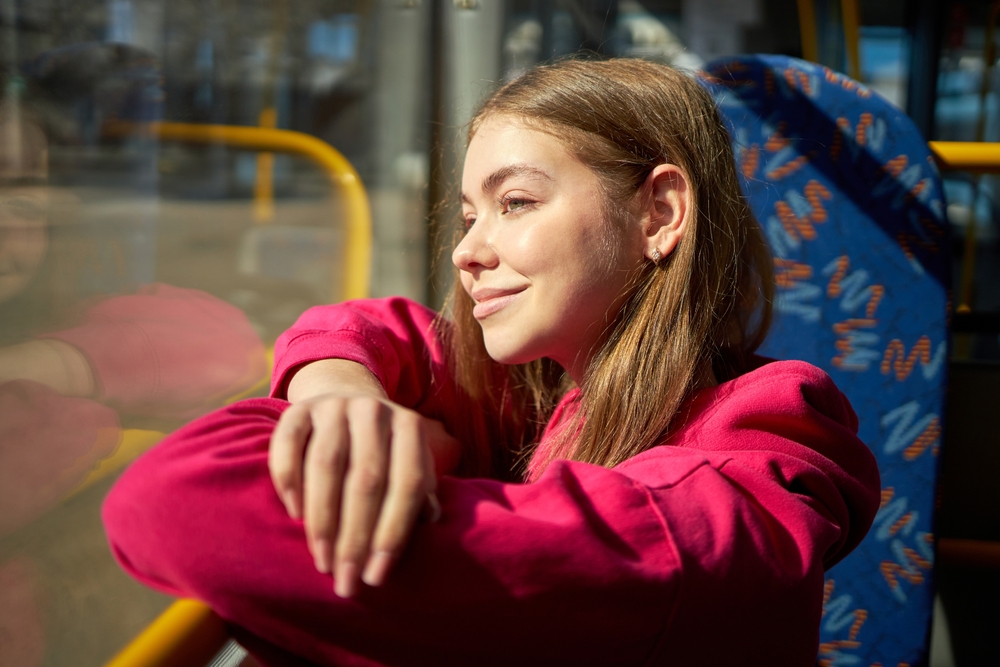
(367, 481)
(329, 457)
(366, 407)
(330, 408)
(408, 417)
(282, 476)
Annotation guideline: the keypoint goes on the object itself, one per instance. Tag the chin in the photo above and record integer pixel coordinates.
(503, 352)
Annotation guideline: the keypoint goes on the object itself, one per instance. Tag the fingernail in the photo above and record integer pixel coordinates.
(290, 504)
(322, 553)
(345, 582)
(377, 568)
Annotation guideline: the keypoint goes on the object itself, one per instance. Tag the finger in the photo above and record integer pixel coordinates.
(364, 488)
(411, 479)
(326, 462)
(285, 454)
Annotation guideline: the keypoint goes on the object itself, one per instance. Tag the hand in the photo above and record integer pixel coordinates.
(358, 469)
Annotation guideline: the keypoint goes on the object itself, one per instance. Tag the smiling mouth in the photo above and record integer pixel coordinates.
(490, 302)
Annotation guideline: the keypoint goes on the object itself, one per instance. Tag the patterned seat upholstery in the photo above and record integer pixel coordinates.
(851, 201)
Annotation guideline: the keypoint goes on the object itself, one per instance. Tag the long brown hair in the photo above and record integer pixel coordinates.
(702, 310)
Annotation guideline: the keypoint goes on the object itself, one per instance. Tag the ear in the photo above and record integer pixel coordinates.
(669, 205)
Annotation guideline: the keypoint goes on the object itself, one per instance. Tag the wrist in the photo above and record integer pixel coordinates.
(328, 376)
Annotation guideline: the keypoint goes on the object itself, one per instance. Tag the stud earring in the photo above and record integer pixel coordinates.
(655, 255)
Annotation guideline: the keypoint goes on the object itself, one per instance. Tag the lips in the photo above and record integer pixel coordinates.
(492, 300)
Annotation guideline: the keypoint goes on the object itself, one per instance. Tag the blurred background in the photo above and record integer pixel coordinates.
(149, 256)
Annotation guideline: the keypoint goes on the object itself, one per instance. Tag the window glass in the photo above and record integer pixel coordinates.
(148, 260)
(968, 109)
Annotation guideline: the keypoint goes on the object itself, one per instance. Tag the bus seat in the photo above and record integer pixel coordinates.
(849, 196)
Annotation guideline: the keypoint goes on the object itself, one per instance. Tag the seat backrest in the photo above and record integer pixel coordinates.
(850, 199)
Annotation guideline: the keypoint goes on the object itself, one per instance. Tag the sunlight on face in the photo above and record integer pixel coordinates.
(545, 268)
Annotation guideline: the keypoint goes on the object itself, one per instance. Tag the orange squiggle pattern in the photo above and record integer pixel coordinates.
(845, 345)
(896, 359)
(846, 83)
(896, 165)
(802, 227)
(893, 572)
(861, 132)
(930, 435)
(750, 160)
(836, 144)
(878, 291)
(853, 323)
(827, 591)
(900, 523)
(816, 192)
(788, 168)
(788, 272)
(828, 648)
(794, 225)
(860, 616)
(797, 79)
(777, 140)
(833, 287)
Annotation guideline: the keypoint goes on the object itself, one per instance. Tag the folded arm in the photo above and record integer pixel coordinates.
(699, 553)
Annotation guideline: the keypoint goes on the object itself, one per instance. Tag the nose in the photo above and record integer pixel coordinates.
(475, 253)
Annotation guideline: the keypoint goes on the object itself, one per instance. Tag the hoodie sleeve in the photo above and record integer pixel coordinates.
(394, 338)
(709, 550)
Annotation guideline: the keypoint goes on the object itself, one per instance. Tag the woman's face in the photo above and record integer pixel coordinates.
(545, 268)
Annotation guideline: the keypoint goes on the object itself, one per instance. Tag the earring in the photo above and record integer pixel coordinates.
(655, 255)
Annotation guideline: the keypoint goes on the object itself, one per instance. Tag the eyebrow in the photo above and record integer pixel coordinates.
(493, 181)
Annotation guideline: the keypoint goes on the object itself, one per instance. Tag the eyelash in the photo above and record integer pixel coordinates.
(504, 204)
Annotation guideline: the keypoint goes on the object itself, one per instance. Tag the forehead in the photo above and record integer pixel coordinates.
(500, 142)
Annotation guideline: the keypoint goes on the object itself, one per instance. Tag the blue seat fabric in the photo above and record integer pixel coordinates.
(852, 205)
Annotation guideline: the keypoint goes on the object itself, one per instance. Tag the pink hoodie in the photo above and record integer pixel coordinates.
(708, 550)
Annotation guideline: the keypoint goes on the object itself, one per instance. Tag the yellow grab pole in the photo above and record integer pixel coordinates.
(849, 11)
(967, 155)
(357, 265)
(263, 187)
(807, 30)
(187, 634)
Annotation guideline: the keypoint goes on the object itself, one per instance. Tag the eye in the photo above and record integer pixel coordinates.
(468, 221)
(513, 205)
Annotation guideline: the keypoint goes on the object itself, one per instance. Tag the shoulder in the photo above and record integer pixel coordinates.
(387, 310)
(779, 431)
(782, 390)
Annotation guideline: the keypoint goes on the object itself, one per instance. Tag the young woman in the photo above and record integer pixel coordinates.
(607, 473)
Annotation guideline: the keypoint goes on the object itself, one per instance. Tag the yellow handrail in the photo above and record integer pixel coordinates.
(809, 39)
(967, 155)
(357, 265)
(852, 21)
(807, 30)
(187, 634)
